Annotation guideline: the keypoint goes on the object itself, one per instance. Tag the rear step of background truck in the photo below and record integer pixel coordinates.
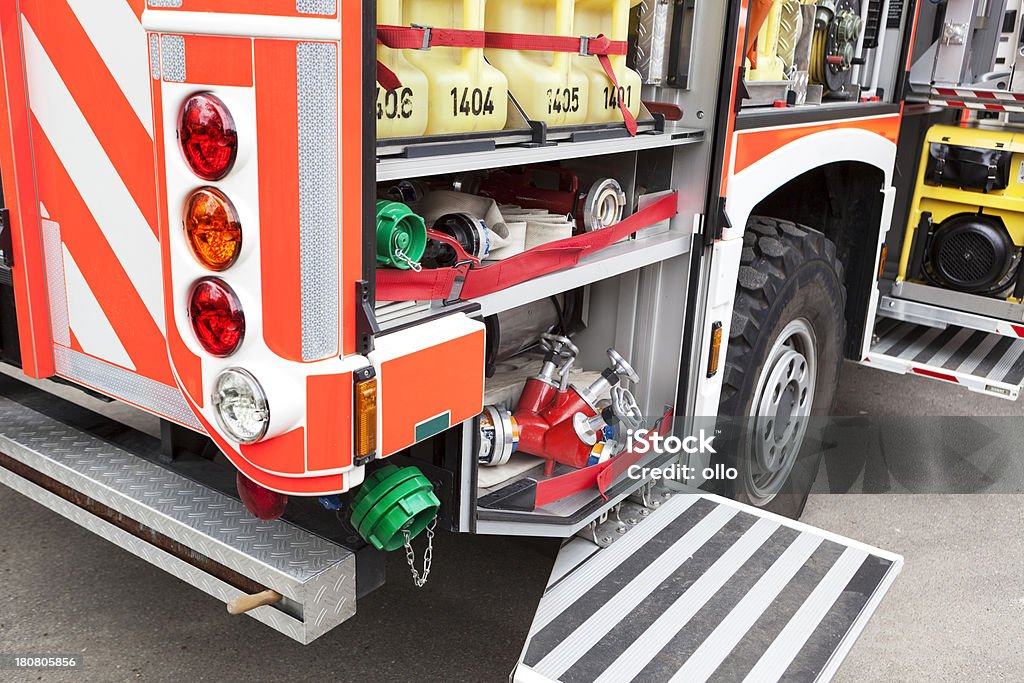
(705, 589)
(986, 361)
(192, 531)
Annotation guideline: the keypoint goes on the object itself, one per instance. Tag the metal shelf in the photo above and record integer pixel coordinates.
(615, 260)
(937, 316)
(396, 169)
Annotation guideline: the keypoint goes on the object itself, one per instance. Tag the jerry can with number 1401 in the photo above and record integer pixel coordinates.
(547, 85)
(609, 18)
(466, 94)
(403, 111)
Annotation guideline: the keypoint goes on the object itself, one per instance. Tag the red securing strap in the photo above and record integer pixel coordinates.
(601, 475)
(425, 37)
(387, 78)
(544, 43)
(461, 256)
(405, 285)
(599, 46)
(420, 38)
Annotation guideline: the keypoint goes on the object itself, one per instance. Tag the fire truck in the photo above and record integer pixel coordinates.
(389, 268)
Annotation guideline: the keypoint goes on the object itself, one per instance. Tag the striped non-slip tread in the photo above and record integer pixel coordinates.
(707, 589)
(954, 353)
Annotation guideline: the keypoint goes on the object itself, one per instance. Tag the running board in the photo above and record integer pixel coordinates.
(705, 588)
(984, 362)
(199, 535)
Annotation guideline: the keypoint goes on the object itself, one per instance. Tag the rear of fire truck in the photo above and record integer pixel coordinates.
(386, 268)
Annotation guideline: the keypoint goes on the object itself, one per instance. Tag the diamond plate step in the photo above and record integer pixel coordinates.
(198, 534)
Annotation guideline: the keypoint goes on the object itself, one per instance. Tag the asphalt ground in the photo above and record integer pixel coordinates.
(954, 614)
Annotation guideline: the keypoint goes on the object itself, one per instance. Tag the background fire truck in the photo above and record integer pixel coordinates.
(387, 267)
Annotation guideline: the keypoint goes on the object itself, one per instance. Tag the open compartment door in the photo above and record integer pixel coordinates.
(705, 589)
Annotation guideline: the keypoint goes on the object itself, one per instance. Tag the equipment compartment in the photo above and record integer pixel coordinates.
(561, 471)
(475, 75)
(524, 232)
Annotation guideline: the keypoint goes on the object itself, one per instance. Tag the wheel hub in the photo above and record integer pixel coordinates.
(782, 404)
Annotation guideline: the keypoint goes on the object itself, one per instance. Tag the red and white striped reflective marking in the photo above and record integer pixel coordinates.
(936, 375)
(92, 134)
(1001, 95)
(987, 100)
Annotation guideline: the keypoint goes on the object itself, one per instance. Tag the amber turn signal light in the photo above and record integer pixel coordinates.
(715, 354)
(366, 416)
(212, 228)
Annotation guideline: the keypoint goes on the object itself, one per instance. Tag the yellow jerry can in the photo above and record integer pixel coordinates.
(547, 85)
(401, 112)
(609, 18)
(466, 94)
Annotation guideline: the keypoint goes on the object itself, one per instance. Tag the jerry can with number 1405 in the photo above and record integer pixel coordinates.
(466, 94)
(547, 85)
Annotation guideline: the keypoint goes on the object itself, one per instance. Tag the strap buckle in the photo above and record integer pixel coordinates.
(585, 45)
(462, 268)
(427, 34)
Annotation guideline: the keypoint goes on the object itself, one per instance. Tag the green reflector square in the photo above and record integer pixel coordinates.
(435, 425)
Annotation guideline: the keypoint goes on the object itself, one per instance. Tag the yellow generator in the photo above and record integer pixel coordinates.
(966, 226)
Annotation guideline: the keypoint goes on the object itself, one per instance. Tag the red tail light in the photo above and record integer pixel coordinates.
(208, 136)
(216, 316)
(262, 503)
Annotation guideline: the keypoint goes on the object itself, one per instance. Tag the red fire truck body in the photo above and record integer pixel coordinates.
(209, 219)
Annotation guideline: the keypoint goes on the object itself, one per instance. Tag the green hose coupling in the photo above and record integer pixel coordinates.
(392, 501)
(401, 236)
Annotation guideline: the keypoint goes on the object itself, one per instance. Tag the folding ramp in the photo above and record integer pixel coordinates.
(705, 589)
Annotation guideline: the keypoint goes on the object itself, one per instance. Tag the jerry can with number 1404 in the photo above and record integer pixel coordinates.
(403, 111)
(466, 94)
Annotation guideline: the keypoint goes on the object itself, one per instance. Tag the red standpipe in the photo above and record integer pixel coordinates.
(546, 428)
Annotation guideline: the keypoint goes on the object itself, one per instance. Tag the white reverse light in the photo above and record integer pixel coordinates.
(241, 406)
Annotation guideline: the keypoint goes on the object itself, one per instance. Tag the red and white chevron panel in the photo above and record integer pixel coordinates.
(91, 131)
(97, 183)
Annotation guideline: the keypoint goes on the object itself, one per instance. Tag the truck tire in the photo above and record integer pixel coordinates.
(785, 352)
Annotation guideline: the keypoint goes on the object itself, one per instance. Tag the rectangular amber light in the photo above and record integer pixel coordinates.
(366, 417)
(714, 356)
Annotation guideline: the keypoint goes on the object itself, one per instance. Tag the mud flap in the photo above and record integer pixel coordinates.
(705, 589)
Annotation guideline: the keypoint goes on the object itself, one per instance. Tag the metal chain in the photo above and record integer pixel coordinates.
(402, 256)
(428, 555)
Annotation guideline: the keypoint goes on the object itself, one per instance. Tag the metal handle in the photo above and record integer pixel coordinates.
(621, 367)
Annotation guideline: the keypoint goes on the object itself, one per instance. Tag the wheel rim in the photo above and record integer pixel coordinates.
(780, 411)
